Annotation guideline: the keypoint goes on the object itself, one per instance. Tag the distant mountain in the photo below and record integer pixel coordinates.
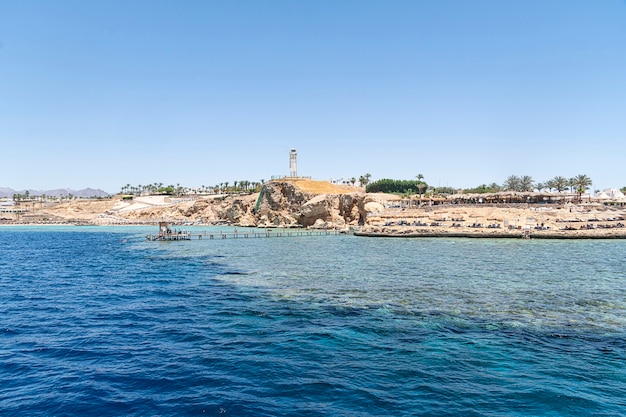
(61, 192)
(90, 192)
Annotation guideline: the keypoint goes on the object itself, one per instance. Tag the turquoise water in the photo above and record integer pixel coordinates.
(97, 321)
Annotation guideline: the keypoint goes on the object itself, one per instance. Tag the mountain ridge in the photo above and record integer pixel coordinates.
(6, 192)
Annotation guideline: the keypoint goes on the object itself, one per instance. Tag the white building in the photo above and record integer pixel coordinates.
(614, 194)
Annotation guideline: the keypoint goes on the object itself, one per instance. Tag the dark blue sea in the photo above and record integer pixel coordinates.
(98, 321)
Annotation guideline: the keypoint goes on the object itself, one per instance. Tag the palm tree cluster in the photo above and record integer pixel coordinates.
(579, 184)
(21, 197)
(364, 180)
(515, 183)
(243, 186)
(482, 189)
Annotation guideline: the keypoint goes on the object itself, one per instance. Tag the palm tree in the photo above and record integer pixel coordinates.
(582, 183)
(420, 184)
(571, 183)
(512, 183)
(526, 183)
(560, 183)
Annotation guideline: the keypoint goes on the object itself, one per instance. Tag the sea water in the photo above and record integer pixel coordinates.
(99, 321)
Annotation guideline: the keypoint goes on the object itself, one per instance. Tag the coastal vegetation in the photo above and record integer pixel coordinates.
(387, 185)
(27, 196)
(158, 188)
(525, 183)
(578, 184)
(364, 180)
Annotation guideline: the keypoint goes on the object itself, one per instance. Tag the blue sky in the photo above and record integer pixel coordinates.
(101, 94)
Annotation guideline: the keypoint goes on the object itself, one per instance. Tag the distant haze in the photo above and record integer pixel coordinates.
(61, 192)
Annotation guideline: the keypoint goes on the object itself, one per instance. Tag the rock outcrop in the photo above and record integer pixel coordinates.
(286, 204)
(279, 204)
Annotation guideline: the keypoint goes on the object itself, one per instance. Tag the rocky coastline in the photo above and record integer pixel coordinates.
(320, 205)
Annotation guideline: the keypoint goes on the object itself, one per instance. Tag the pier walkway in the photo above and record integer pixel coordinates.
(241, 235)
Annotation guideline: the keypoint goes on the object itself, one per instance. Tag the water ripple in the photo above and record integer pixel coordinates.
(111, 325)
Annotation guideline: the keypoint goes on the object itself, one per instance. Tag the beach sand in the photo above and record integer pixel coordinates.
(538, 221)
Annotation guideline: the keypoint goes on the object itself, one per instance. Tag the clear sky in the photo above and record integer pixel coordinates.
(103, 93)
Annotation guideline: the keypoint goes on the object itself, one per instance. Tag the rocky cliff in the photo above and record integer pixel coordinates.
(295, 203)
(288, 204)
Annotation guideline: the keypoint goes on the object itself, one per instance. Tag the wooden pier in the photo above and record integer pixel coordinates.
(165, 234)
(267, 234)
(170, 236)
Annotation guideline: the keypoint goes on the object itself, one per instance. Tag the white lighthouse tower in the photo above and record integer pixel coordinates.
(293, 163)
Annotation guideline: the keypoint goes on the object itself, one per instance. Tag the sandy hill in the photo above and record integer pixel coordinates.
(321, 187)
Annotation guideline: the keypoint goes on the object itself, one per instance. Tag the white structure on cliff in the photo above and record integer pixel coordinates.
(293, 163)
